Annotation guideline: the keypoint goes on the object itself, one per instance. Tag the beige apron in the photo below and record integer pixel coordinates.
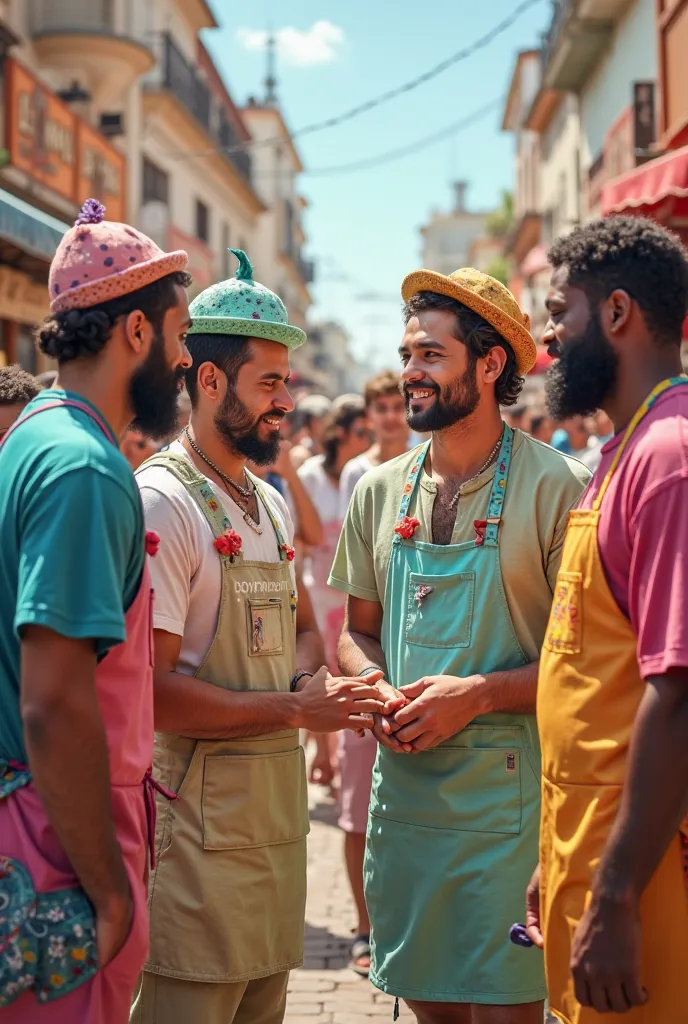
(227, 897)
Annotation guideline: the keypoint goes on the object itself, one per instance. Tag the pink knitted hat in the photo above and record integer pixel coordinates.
(99, 260)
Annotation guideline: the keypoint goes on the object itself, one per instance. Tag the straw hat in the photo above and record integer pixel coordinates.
(485, 296)
(242, 306)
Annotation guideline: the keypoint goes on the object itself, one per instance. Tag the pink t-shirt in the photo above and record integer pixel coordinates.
(643, 532)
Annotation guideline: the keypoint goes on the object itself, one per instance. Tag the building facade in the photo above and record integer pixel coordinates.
(447, 237)
(123, 101)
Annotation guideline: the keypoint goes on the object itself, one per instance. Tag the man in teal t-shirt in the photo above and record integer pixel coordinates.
(71, 541)
(76, 709)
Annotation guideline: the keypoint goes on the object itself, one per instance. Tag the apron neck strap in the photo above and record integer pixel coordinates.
(640, 415)
(200, 490)
(412, 480)
(494, 510)
(58, 403)
(496, 505)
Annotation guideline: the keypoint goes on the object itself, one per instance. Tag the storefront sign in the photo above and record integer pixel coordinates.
(56, 148)
(21, 299)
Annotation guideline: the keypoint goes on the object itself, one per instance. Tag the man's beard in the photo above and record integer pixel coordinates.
(154, 391)
(455, 402)
(584, 375)
(239, 430)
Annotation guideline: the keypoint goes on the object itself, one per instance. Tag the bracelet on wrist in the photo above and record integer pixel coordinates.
(369, 669)
(296, 679)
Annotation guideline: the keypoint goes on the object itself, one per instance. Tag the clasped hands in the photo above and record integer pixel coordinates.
(423, 714)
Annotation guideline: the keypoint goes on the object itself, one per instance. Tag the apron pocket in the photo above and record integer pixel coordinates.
(253, 800)
(439, 610)
(460, 789)
(565, 622)
(265, 636)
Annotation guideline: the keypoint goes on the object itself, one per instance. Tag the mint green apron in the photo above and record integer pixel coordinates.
(453, 831)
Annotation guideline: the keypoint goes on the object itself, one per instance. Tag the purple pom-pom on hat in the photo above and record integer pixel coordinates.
(92, 212)
(94, 263)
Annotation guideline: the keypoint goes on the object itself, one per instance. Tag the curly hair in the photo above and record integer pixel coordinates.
(479, 337)
(84, 332)
(17, 387)
(633, 254)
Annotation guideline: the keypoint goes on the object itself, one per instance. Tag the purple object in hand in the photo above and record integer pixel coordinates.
(519, 936)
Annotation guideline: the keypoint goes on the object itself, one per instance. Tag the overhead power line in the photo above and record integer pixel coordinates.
(385, 97)
(414, 83)
(410, 148)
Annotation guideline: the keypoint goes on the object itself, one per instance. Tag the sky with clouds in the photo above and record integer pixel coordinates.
(363, 225)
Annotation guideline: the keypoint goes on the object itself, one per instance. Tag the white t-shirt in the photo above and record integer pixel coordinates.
(351, 474)
(323, 493)
(187, 571)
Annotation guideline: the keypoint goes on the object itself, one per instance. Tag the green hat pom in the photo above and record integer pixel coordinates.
(245, 268)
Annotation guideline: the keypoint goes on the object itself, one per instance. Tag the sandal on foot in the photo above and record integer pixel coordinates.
(360, 955)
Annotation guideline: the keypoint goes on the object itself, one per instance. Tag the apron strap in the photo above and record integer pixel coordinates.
(200, 490)
(498, 493)
(488, 530)
(56, 404)
(665, 385)
(197, 486)
(412, 482)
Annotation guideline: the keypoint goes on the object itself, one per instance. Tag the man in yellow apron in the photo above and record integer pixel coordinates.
(236, 676)
(449, 556)
(613, 690)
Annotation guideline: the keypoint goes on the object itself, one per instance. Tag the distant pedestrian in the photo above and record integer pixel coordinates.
(386, 419)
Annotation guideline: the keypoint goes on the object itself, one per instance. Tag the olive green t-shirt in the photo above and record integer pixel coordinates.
(543, 485)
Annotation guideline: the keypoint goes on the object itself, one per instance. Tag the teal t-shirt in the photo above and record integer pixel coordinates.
(72, 541)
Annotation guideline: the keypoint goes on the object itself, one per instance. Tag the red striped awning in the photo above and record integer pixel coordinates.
(661, 183)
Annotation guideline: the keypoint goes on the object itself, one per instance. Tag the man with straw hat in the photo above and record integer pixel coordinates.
(238, 672)
(76, 682)
(449, 556)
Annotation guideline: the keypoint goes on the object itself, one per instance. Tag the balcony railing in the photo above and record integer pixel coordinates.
(182, 78)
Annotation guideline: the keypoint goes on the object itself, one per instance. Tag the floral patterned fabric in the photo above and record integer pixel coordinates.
(47, 940)
(12, 776)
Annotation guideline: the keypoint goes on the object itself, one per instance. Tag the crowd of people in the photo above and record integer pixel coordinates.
(471, 610)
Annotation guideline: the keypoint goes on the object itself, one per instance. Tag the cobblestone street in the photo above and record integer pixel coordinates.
(324, 990)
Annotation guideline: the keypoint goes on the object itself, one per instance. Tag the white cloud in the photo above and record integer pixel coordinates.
(319, 44)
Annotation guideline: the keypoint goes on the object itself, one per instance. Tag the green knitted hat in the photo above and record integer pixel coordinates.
(242, 306)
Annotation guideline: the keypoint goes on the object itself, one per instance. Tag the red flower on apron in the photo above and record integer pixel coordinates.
(229, 543)
(406, 527)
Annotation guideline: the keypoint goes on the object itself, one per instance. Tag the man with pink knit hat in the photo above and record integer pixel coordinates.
(76, 698)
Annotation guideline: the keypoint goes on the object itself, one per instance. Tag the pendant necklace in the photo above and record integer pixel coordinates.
(490, 459)
(244, 493)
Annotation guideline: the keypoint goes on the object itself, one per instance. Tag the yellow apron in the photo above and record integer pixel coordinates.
(228, 894)
(589, 693)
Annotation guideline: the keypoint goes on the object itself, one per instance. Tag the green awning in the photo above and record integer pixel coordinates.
(28, 228)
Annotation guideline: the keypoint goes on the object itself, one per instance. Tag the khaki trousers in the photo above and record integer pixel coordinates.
(162, 1000)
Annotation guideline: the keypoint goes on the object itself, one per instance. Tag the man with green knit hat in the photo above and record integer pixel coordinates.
(238, 671)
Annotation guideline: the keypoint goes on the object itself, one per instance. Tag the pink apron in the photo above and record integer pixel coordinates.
(124, 684)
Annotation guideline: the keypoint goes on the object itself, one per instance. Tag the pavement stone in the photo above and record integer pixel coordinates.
(325, 990)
